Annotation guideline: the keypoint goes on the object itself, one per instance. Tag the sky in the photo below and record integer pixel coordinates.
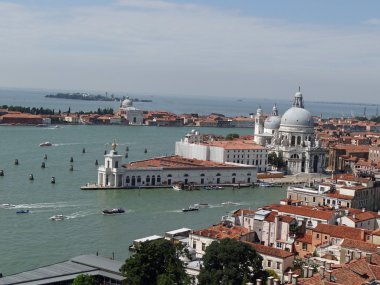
(215, 48)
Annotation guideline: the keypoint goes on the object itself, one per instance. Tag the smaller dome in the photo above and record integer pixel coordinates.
(127, 103)
(272, 122)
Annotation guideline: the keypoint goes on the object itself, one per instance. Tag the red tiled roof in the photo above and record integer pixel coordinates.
(305, 238)
(220, 232)
(341, 231)
(361, 245)
(311, 212)
(175, 162)
(267, 250)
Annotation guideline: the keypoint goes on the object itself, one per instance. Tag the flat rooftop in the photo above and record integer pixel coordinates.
(175, 161)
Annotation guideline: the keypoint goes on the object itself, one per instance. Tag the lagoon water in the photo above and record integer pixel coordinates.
(32, 240)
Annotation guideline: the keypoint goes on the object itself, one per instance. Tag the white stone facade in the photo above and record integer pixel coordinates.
(132, 114)
(293, 139)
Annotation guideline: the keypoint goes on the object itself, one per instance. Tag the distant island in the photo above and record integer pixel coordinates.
(91, 97)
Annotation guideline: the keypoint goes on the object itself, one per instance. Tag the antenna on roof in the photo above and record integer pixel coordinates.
(299, 88)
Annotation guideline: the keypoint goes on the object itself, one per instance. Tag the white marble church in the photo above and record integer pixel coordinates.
(291, 136)
(131, 113)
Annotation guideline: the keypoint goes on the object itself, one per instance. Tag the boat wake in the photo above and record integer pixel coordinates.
(46, 205)
(81, 214)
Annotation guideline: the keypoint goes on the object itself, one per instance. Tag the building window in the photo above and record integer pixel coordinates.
(279, 244)
(138, 179)
(304, 246)
(313, 199)
(317, 235)
(325, 237)
(147, 179)
(269, 263)
(203, 246)
(278, 265)
(218, 174)
(169, 175)
(127, 179)
(158, 179)
(186, 175)
(194, 244)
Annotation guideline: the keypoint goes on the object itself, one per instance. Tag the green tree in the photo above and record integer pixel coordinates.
(83, 279)
(231, 262)
(272, 273)
(155, 262)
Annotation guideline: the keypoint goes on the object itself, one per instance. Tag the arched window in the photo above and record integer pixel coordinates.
(298, 140)
(202, 174)
(233, 174)
(116, 164)
(218, 174)
(293, 141)
(186, 175)
(138, 179)
(248, 174)
(127, 179)
(147, 179)
(169, 175)
(158, 178)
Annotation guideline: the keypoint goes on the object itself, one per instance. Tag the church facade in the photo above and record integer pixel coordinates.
(131, 113)
(291, 136)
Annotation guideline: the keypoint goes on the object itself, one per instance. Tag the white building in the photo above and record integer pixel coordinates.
(131, 113)
(292, 138)
(236, 151)
(168, 170)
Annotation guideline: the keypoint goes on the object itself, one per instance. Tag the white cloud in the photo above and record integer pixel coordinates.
(159, 46)
(373, 21)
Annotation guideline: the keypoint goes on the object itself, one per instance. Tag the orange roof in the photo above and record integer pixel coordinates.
(243, 211)
(341, 231)
(358, 244)
(175, 161)
(305, 211)
(272, 251)
(220, 232)
(305, 238)
(363, 216)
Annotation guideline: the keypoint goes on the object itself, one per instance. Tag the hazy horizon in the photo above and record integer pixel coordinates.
(240, 49)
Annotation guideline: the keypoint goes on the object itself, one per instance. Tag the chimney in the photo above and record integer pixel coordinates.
(359, 254)
(328, 266)
(270, 280)
(348, 258)
(259, 282)
(362, 234)
(276, 282)
(305, 271)
(310, 272)
(354, 216)
(369, 258)
(351, 255)
(295, 279)
(322, 271)
(290, 276)
(363, 209)
(328, 275)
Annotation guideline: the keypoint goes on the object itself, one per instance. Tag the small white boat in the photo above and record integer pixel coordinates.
(204, 205)
(57, 217)
(229, 203)
(46, 144)
(177, 187)
(7, 206)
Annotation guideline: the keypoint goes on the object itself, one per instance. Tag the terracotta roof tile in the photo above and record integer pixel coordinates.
(267, 250)
(361, 245)
(341, 231)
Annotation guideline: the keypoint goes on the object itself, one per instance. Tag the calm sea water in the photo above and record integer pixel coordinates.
(190, 104)
(32, 240)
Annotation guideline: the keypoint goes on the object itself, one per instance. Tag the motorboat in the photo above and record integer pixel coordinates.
(22, 212)
(7, 206)
(190, 209)
(46, 144)
(203, 205)
(58, 218)
(229, 203)
(113, 211)
(177, 187)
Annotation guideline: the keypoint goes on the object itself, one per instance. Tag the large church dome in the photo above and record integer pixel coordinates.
(127, 103)
(297, 116)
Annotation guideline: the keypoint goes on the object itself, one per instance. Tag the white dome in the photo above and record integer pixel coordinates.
(298, 117)
(127, 103)
(272, 122)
